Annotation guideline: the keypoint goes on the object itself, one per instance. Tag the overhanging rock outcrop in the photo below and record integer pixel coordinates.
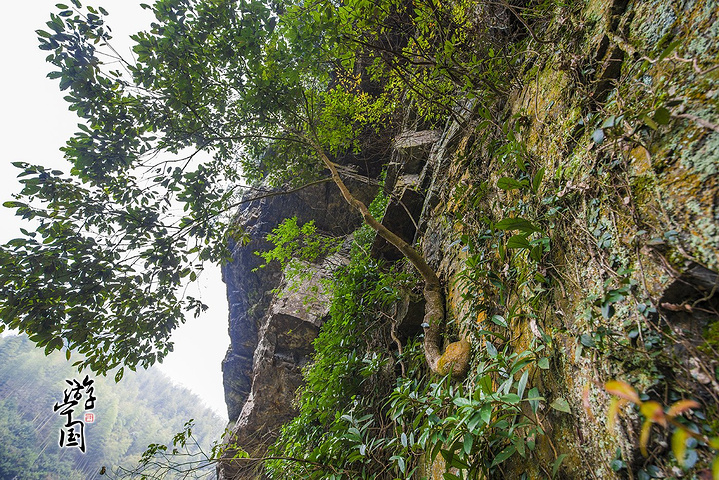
(285, 336)
(272, 329)
(249, 289)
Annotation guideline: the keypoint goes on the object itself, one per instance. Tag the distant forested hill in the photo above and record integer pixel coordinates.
(143, 408)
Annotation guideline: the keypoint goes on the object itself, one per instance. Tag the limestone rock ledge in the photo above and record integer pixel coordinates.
(272, 320)
(284, 346)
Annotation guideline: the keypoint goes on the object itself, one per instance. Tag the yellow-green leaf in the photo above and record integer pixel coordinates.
(622, 390)
(614, 405)
(679, 444)
(682, 406)
(653, 412)
(561, 404)
(644, 437)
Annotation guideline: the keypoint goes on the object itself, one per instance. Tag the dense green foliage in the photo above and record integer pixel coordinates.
(295, 247)
(362, 418)
(145, 408)
(351, 374)
(101, 271)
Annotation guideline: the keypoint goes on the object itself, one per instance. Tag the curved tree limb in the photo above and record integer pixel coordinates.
(434, 315)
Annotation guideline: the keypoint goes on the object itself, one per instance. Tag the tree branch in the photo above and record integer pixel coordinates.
(274, 194)
(434, 309)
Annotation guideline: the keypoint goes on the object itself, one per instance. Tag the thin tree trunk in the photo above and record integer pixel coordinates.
(434, 299)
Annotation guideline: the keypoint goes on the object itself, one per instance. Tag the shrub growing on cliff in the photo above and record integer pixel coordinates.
(340, 423)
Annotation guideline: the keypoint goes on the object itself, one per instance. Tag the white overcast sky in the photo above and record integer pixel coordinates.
(35, 123)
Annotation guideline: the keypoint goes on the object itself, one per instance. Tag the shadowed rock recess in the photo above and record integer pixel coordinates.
(573, 221)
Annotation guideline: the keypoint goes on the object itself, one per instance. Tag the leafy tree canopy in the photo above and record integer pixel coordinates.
(217, 91)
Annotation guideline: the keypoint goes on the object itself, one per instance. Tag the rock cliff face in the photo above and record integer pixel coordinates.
(631, 212)
(610, 153)
(250, 290)
(284, 344)
(271, 323)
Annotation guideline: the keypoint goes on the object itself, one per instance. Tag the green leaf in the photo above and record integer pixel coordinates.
(649, 122)
(598, 136)
(401, 464)
(520, 443)
(533, 398)
(557, 463)
(499, 320)
(679, 445)
(543, 363)
(536, 253)
(609, 122)
(608, 310)
(516, 223)
(474, 422)
(507, 183)
(486, 413)
(54, 344)
(491, 350)
(537, 180)
(504, 455)
(511, 398)
(662, 116)
(522, 383)
(587, 340)
(518, 241)
(617, 464)
(668, 50)
(468, 443)
(561, 405)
